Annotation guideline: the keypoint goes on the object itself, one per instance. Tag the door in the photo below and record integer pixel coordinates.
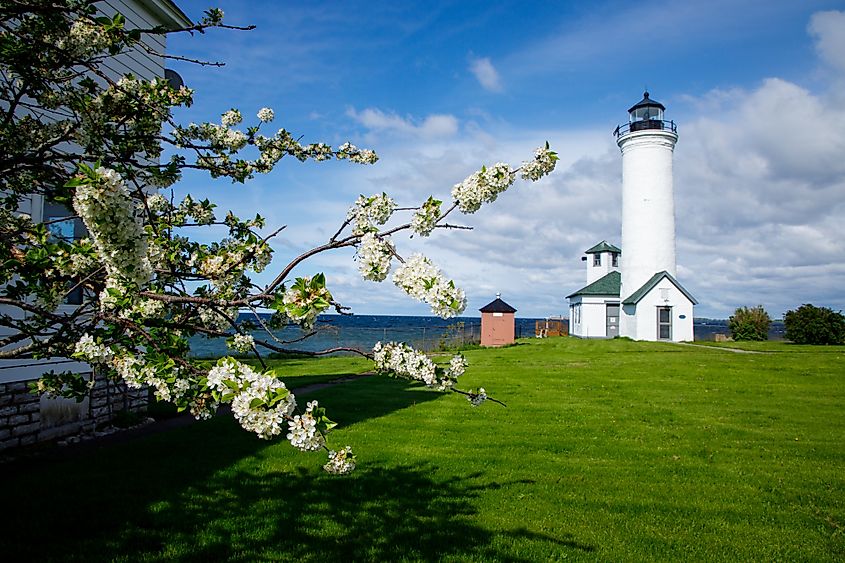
(612, 320)
(664, 323)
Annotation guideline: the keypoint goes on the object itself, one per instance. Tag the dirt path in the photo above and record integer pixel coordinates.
(734, 350)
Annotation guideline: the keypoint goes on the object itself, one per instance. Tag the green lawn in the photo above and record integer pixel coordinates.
(608, 450)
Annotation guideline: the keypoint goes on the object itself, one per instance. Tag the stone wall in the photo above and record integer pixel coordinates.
(27, 419)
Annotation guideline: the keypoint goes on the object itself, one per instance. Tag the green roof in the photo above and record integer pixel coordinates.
(603, 246)
(635, 297)
(606, 285)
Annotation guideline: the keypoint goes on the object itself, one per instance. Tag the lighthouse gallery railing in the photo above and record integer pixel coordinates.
(644, 125)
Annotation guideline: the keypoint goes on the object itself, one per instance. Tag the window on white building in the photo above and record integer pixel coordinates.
(596, 259)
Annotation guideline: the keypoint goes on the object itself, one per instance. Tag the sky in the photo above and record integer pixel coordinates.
(439, 89)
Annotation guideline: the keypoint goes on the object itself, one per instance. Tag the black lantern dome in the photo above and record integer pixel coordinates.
(646, 110)
(645, 114)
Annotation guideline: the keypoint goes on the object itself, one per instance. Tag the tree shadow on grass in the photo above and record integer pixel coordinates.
(368, 398)
(213, 492)
(155, 511)
(376, 514)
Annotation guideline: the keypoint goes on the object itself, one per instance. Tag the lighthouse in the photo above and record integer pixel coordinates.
(654, 304)
(648, 201)
(633, 291)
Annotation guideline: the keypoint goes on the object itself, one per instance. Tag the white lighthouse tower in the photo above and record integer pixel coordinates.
(654, 305)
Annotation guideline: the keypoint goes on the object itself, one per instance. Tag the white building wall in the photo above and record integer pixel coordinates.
(592, 317)
(648, 207)
(628, 322)
(597, 272)
(646, 318)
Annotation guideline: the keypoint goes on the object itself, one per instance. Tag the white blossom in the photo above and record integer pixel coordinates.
(483, 186)
(117, 231)
(303, 430)
(353, 153)
(405, 362)
(231, 118)
(543, 163)
(149, 308)
(374, 256)
(85, 38)
(425, 218)
(241, 342)
(304, 303)
(89, 350)
(340, 462)
(457, 366)
(423, 281)
(158, 203)
(251, 397)
(133, 370)
(265, 115)
(367, 212)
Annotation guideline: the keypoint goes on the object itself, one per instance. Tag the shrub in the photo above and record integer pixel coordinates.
(750, 323)
(814, 325)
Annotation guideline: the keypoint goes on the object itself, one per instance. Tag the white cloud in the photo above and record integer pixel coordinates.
(760, 194)
(433, 126)
(828, 29)
(485, 73)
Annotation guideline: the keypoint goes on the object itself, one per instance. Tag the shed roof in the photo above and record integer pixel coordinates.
(497, 306)
(608, 284)
(635, 297)
(603, 246)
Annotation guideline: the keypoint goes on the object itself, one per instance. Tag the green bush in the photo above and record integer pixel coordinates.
(814, 325)
(750, 323)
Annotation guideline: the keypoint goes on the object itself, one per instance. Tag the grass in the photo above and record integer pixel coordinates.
(608, 450)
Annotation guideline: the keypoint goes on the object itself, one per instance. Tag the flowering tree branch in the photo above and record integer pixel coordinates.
(75, 134)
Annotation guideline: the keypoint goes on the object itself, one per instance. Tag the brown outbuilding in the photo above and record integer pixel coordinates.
(497, 323)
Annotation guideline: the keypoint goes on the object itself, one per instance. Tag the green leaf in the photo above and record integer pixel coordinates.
(255, 403)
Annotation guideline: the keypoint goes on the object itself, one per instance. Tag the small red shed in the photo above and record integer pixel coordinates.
(497, 323)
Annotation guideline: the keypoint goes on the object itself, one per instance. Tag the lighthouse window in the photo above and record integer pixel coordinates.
(614, 260)
(596, 259)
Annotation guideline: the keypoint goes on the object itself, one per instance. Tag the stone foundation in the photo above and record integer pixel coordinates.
(27, 419)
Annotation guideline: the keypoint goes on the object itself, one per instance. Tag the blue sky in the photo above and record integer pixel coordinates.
(440, 88)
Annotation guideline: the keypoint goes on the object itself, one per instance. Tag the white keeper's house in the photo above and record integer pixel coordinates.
(635, 293)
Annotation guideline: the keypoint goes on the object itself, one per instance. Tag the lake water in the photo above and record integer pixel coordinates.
(426, 333)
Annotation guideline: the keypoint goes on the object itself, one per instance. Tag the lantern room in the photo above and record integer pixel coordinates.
(644, 115)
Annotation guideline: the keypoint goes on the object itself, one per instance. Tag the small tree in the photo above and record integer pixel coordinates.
(814, 325)
(750, 323)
